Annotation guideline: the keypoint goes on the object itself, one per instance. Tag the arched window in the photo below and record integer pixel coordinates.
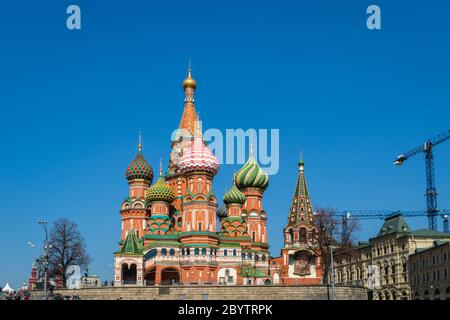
(243, 255)
(264, 257)
(256, 257)
(188, 251)
(196, 251)
(234, 252)
(172, 252)
(164, 252)
(204, 252)
(302, 235)
(225, 252)
(151, 254)
(249, 255)
(291, 235)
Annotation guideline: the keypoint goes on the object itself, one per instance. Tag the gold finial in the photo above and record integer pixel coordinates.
(251, 146)
(189, 82)
(160, 167)
(140, 142)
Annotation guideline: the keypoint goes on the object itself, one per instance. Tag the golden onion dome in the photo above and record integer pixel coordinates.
(189, 82)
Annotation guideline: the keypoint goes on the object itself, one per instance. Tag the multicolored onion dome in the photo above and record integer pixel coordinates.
(139, 169)
(251, 176)
(234, 195)
(160, 191)
(198, 157)
(222, 212)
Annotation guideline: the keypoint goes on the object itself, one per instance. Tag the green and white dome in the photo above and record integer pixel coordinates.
(251, 176)
(234, 195)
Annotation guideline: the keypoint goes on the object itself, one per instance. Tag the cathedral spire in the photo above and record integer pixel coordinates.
(301, 209)
(189, 117)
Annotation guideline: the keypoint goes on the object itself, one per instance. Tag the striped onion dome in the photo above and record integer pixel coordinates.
(198, 157)
(139, 169)
(222, 212)
(234, 195)
(251, 176)
(160, 191)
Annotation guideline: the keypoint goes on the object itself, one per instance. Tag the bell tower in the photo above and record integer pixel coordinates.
(181, 138)
(133, 210)
(300, 256)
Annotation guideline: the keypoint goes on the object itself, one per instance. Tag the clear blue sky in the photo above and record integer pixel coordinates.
(72, 103)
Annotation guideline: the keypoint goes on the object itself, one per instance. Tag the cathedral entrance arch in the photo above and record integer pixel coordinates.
(129, 274)
(276, 278)
(170, 276)
(150, 277)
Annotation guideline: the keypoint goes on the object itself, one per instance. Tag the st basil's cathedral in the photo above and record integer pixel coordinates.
(170, 233)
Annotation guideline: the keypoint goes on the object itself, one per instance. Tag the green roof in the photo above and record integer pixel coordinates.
(394, 224)
(161, 236)
(430, 233)
(161, 243)
(131, 244)
(301, 194)
(195, 233)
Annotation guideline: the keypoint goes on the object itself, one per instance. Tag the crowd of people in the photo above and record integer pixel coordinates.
(22, 294)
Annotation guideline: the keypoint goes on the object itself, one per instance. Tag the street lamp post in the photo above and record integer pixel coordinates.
(333, 292)
(44, 225)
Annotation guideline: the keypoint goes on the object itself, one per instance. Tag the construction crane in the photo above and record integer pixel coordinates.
(431, 194)
(383, 214)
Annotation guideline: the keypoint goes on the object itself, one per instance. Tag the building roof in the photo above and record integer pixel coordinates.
(251, 175)
(394, 224)
(301, 202)
(234, 196)
(430, 233)
(436, 243)
(139, 168)
(160, 191)
(131, 244)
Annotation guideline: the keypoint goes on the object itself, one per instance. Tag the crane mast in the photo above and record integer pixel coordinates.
(430, 194)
